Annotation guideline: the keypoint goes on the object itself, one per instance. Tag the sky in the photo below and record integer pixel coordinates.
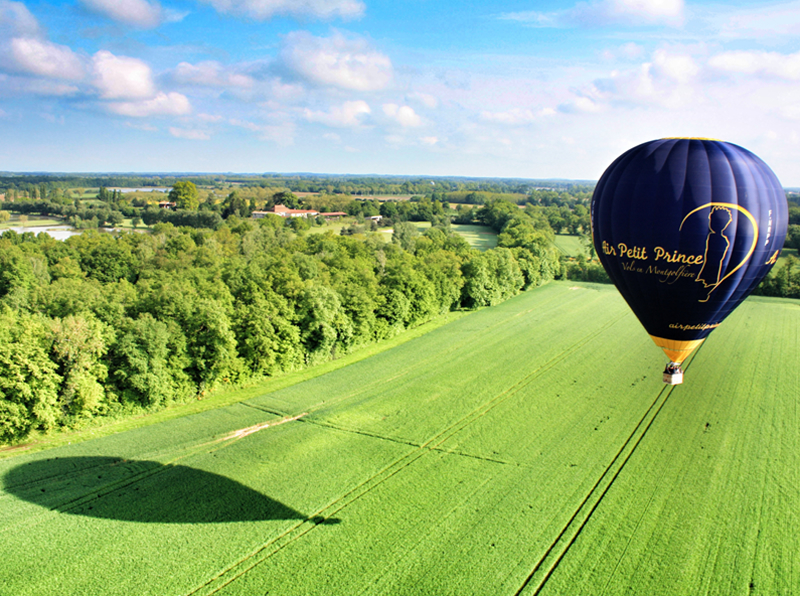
(525, 89)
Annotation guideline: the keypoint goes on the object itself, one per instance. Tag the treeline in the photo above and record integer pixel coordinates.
(108, 325)
(353, 185)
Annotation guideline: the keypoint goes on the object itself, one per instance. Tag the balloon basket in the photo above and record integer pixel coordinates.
(673, 375)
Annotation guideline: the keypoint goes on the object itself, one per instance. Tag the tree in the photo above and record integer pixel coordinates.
(184, 195)
(79, 346)
(405, 235)
(28, 379)
(286, 198)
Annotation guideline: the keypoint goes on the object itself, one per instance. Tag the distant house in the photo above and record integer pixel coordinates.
(375, 217)
(166, 204)
(284, 211)
(330, 216)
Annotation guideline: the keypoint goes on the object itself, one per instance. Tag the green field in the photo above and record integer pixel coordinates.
(479, 237)
(570, 246)
(527, 448)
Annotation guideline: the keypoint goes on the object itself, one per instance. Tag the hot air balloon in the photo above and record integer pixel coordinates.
(686, 229)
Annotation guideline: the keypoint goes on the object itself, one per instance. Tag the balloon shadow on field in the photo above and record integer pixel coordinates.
(143, 491)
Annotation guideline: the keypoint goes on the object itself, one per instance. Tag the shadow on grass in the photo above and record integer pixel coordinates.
(143, 491)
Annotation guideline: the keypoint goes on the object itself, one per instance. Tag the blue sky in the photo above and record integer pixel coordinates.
(412, 87)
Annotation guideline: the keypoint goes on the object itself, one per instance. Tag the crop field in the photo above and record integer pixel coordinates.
(478, 236)
(530, 448)
(570, 245)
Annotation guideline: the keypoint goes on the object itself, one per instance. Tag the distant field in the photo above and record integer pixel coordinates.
(527, 448)
(479, 237)
(785, 255)
(33, 221)
(570, 245)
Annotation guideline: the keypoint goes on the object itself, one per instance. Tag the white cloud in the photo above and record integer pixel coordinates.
(762, 21)
(348, 114)
(676, 67)
(429, 140)
(669, 80)
(281, 132)
(266, 9)
(429, 101)
(336, 61)
(210, 73)
(758, 63)
(629, 51)
(210, 118)
(44, 58)
(163, 104)
(141, 126)
(601, 12)
(516, 116)
(404, 115)
(135, 13)
(193, 134)
(580, 105)
(646, 11)
(18, 20)
(42, 87)
(122, 77)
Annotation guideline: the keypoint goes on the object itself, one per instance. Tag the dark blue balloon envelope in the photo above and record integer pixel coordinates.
(686, 229)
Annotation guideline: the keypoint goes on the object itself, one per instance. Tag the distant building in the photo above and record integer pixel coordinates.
(284, 211)
(166, 204)
(375, 217)
(330, 216)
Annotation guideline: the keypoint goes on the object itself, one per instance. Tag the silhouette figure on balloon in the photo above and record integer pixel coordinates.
(717, 245)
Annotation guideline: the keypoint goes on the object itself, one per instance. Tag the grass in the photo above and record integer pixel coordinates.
(785, 255)
(530, 447)
(479, 237)
(33, 221)
(570, 246)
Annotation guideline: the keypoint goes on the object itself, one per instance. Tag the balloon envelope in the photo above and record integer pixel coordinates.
(686, 229)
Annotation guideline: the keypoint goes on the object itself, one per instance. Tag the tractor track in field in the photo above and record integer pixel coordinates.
(277, 543)
(548, 562)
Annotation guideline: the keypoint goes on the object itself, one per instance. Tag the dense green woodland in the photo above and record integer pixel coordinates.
(109, 325)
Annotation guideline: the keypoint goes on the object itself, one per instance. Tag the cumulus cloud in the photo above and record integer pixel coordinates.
(403, 115)
(44, 58)
(163, 104)
(17, 20)
(758, 63)
(193, 134)
(135, 13)
(346, 63)
(601, 12)
(211, 74)
(669, 80)
(122, 77)
(266, 9)
(348, 114)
